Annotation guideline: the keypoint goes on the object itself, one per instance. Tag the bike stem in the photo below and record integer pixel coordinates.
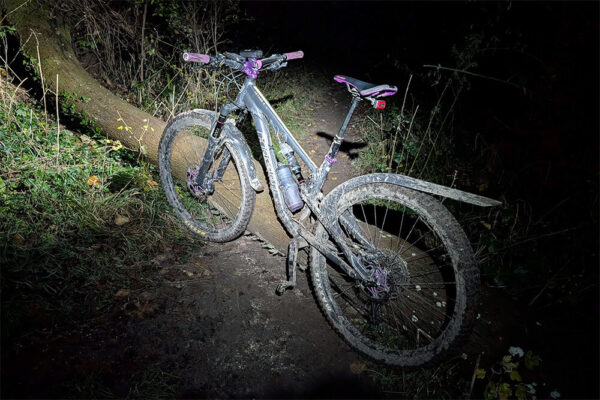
(333, 150)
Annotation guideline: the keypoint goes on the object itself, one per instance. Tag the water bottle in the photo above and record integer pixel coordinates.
(288, 153)
(291, 194)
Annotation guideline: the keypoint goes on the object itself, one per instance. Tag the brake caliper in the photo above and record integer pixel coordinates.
(192, 181)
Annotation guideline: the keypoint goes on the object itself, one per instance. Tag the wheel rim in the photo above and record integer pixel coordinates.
(213, 210)
(410, 307)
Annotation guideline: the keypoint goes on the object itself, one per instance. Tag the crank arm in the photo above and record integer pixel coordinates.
(292, 258)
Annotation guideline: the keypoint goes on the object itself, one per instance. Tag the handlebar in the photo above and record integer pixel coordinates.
(239, 63)
(196, 57)
(293, 55)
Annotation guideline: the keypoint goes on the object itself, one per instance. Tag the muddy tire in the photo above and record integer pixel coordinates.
(421, 308)
(222, 215)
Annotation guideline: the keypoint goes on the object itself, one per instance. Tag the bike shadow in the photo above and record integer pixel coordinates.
(346, 146)
(280, 100)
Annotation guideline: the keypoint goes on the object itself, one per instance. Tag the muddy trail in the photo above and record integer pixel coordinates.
(213, 325)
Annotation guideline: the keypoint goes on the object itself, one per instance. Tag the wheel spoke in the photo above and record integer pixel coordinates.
(411, 301)
(221, 215)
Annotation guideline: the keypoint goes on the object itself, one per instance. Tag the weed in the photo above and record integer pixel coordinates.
(506, 379)
(77, 225)
(135, 49)
(440, 382)
(153, 383)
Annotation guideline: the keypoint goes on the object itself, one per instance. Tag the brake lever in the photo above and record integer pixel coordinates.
(275, 66)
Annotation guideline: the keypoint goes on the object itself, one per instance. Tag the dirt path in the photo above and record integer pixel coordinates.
(329, 115)
(212, 327)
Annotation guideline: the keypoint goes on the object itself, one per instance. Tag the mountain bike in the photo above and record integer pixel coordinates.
(391, 268)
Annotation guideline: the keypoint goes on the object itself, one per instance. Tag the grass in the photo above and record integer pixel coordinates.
(294, 93)
(78, 222)
(444, 381)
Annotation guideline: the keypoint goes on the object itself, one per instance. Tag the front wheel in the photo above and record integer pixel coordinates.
(219, 212)
(419, 307)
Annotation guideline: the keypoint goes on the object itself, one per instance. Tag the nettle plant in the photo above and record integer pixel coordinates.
(507, 378)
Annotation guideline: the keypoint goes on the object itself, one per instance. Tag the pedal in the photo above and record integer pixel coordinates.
(292, 256)
(283, 286)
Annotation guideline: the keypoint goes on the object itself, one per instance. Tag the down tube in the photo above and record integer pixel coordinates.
(260, 103)
(285, 215)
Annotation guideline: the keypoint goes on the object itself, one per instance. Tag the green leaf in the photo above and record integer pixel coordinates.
(521, 392)
(480, 373)
(531, 360)
(504, 391)
(507, 363)
(490, 391)
(515, 376)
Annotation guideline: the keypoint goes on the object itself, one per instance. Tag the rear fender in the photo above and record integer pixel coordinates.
(402, 180)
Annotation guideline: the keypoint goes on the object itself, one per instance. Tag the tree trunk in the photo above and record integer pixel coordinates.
(51, 46)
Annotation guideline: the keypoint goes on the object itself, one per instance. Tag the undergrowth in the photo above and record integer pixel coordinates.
(78, 222)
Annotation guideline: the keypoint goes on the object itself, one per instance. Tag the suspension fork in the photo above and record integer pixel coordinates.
(226, 154)
(203, 179)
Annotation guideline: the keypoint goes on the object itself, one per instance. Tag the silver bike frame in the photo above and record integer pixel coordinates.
(265, 118)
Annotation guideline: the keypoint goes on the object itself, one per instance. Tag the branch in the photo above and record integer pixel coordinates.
(462, 71)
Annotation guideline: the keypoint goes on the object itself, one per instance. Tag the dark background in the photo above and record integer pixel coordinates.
(527, 127)
(545, 132)
(540, 130)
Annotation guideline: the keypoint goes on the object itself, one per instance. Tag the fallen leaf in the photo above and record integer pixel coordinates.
(357, 367)
(121, 220)
(151, 182)
(486, 225)
(19, 239)
(93, 181)
(122, 293)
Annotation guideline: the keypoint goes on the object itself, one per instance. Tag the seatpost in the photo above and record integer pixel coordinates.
(337, 140)
(335, 146)
(355, 100)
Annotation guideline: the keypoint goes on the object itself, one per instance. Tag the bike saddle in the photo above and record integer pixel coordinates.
(365, 89)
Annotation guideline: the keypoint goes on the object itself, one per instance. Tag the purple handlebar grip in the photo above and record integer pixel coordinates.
(294, 54)
(196, 57)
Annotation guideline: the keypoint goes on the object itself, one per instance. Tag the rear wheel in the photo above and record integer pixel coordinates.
(219, 212)
(420, 306)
